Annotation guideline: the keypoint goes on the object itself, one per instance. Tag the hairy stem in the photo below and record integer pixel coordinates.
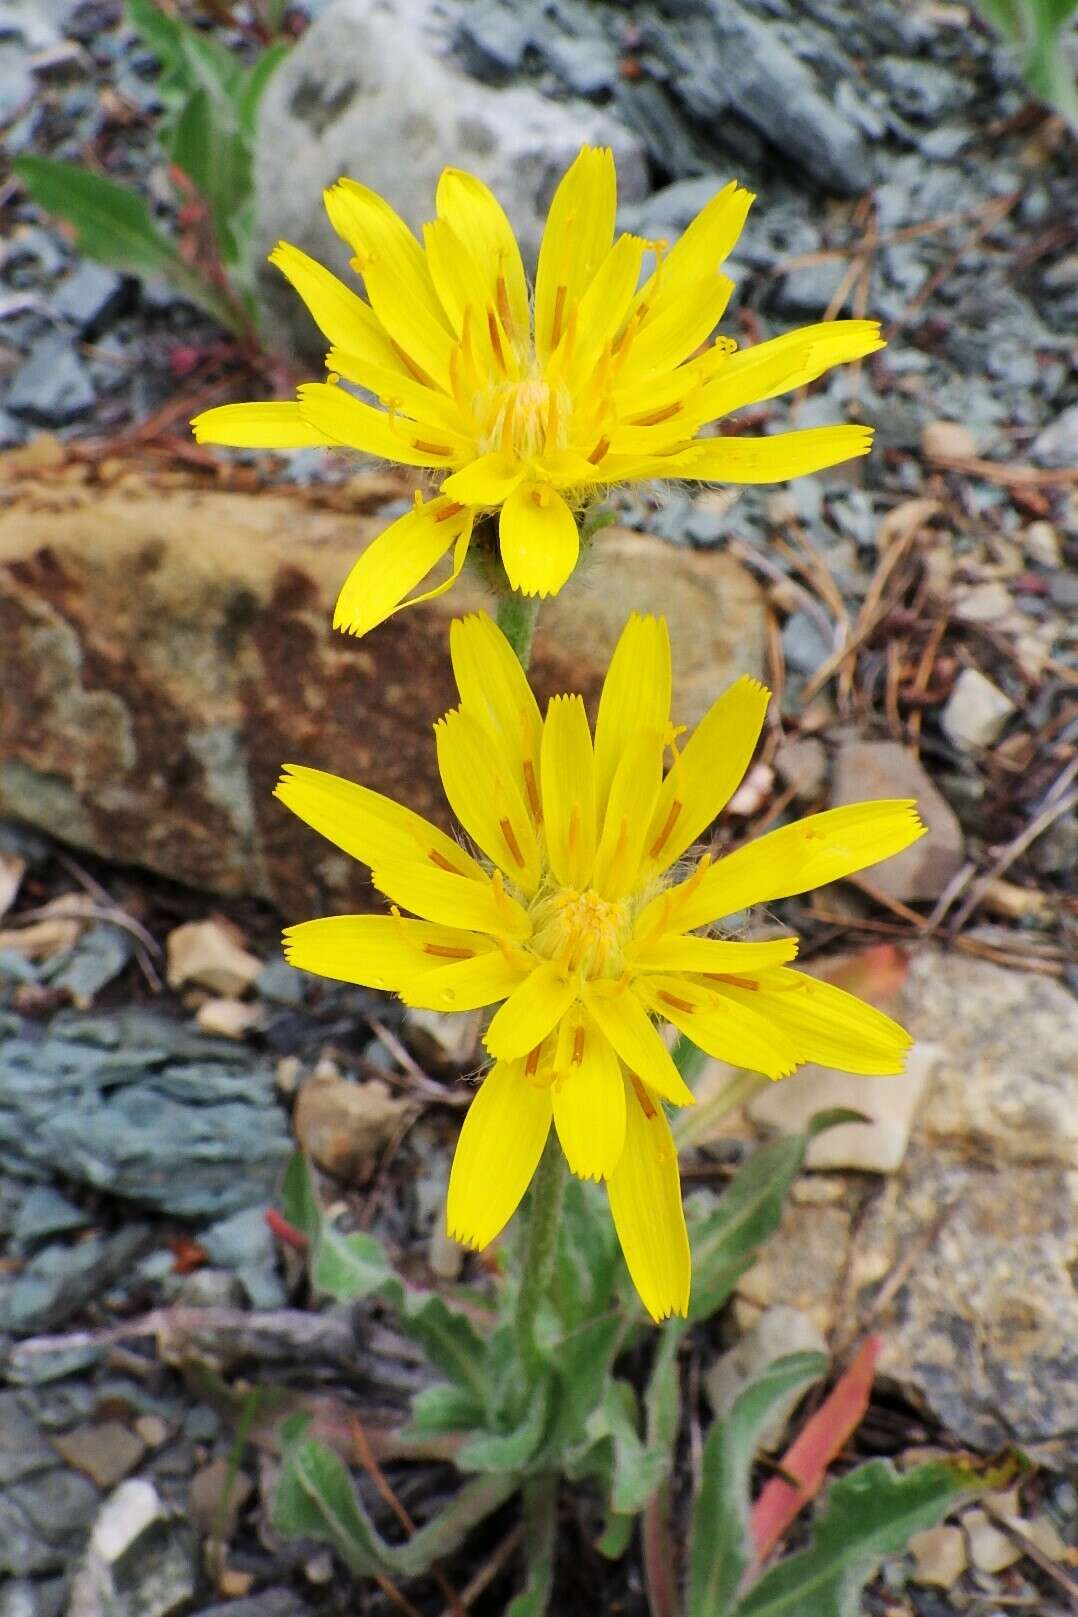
(516, 620)
(540, 1251)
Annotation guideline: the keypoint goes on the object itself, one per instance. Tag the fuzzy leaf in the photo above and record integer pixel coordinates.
(509, 1451)
(871, 1513)
(722, 1543)
(443, 1408)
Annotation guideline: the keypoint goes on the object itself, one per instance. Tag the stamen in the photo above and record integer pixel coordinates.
(439, 859)
(675, 1000)
(668, 826)
(502, 295)
(496, 340)
(578, 1046)
(574, 828)
(600, 450)
(738, 982)
(410, 365)
(432, 449)
(450, 510)
(642, 1095)
(559, 315)
(511, 842)
(531, 786)
(333, 378)
(552, 421)
(447, 953)
(531, 1065)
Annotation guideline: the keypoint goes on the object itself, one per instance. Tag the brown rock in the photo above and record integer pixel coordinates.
(164, 650)
(104, 1452)
(207, 954)
(947, 440)
(867, 769)
(216, 1497)
(345, 1126)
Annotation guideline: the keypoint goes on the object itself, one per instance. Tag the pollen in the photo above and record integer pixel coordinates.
(584, 932)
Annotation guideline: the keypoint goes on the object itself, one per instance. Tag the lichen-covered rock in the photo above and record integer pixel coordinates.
(164, 651)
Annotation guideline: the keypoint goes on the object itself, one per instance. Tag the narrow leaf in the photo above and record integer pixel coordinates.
(722, 1543)
(871, 1513)
(113, 224)
(823, 1436)
(725, 1238)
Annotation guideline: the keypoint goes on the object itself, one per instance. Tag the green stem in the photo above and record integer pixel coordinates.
(540, 1525)
(516, 620)
(540, 1251)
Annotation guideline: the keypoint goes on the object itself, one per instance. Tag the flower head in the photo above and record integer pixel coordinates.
(579, 918)
(529, 405)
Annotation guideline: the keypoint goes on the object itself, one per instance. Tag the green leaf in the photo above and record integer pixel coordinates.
(446, 1335)
(253, 85)
(299, 1202)
(616, 1536)
(722, 1546)
(871, 1513)
(725, 1236)
(348, 1267)
(509, 1451)
(212, 152)
(315, 1499)
(441, 1408)
(113, 224)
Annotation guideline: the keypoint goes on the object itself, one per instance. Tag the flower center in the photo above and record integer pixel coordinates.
(582, 931)
(526, 419)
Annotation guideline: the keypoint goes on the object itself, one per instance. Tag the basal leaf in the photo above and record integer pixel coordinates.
(871, 1513)
(113, 224)
(509, 1451)
(315, 1499)
(722, 1543)
(443, 1408)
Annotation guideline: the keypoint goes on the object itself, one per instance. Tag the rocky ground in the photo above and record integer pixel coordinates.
(915, 618)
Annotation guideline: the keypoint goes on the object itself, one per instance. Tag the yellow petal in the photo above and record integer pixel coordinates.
(603, 308)
(568, 777)
(741, 1034)
(394, 563)
(479, 220)
(774, 459)
(429, 412)
(576, 238)
(487, 480)
(645, 1204)
(340, 315)
(438, 895)
(795, 859)
(589, 1104)
(707, 772)
(485, 798)
(346, 420)
(498, 1151)
(635, 696)
(396, 277)
(700, 249)
(709, 955)
(828, 1025)
(626, 1023)
(629, 810)
(372, 828)
(494, 687)
(462, 985)
(674, 331)
(532, 1009)
(257, 426)
(378, 951)
(769, 369)
(538, 538)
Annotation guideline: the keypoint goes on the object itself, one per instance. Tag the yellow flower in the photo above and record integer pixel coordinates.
(529, 407)
(580, 918)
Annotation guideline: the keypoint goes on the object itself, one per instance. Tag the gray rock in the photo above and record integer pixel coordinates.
(43, 1211)
(870, 769)
(100, 955)
(89, 294)
(52, 387)
(920, 90)
(45, 1509)
(139, 1563)
(492, 37)
(985, 1327)
(808, 291)
(243, 1243)
(143, 1108)
(348, 100)
(268, 1603)
(803, 643)
(60, 1280)
(976, 711)
(802, 763)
